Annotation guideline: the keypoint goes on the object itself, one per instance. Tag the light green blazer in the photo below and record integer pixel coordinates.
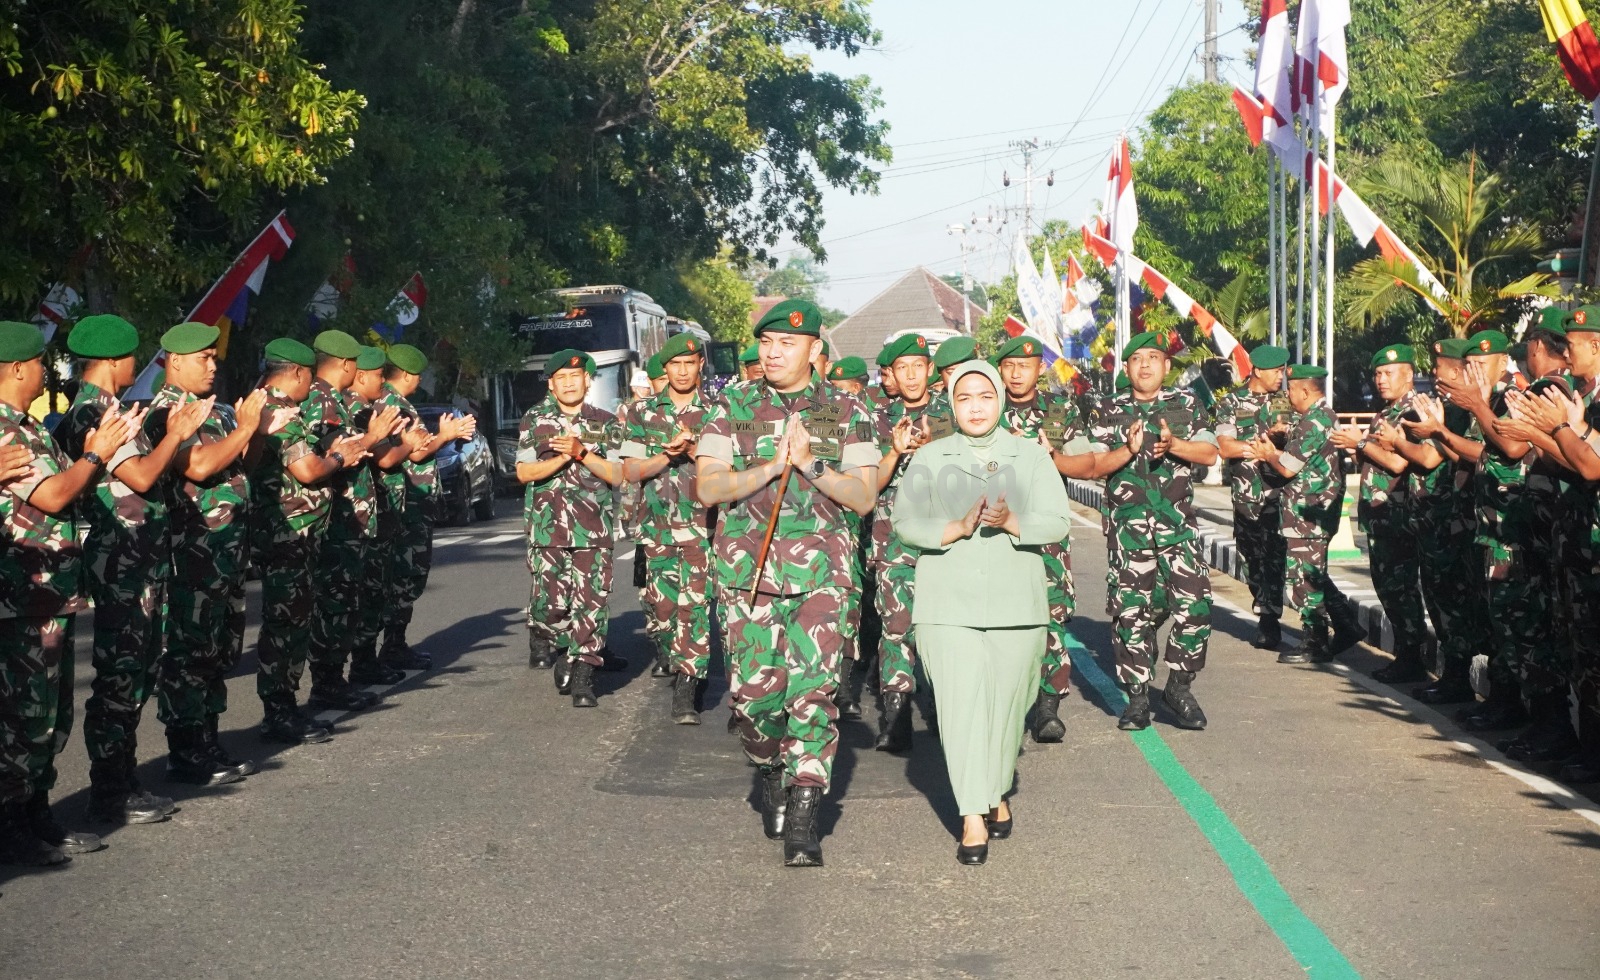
(990, 580)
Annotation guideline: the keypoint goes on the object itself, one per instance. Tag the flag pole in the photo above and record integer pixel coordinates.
(1314, 311)
(1328, 319)
(1272, 243)
(1300, 281)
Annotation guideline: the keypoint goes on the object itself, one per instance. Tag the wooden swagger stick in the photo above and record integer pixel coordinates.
(772, 525)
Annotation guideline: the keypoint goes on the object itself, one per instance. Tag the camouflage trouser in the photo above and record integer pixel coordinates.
(1151, 584)
(783, 653)
(1523, 656)
(205, 627)
(1055, 677)
(130, 606)
(410, 560)
(567, 604)
(35, 702)
(1312, 593)
(1583, 590)
(897, 656)
(1262, 546)
(1395, 557)
(1453, 591)
(288, 603)
(677, 604)
(342, 589)
(378, 592)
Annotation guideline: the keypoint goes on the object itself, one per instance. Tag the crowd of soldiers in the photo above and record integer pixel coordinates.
(321, 478)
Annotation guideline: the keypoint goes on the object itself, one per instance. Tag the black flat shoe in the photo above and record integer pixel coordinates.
(999, 829)
(972, 855)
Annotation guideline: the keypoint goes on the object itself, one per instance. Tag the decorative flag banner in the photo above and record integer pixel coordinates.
(1162, 288)
(228, 300)
(1252, 113)
(1121, 209)
(403, 309)
(56, 309)
(1368, 228)
(1054, 361)
(1054, 297)
(1274, 85)
(1568, 28)
(1031, 292)
(1322, 63)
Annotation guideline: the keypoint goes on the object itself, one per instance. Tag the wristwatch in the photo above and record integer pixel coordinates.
(815, 469)
(338, 458)
(94, 458)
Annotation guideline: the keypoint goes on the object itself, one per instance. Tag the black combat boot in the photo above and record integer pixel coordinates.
(189, 759)
(111, 800)
(733, 721)
(1312, 648)
(1454, 686)
(583, 685)
(47, 828)
(331, 692)
(894, 723)
(1503, 710)
(1347, 631)
(136, 790)
(1047, 726)
(801, 848)
(610, 663)
(281, 723)
(1585, 767)
(844, 696)
(19, 845)
(1136, 716)
(1407, 667)
(684, 708)
(562, 673)
(1180, 699)
(397, 653)
(662, 666)
(244, 767)
(773, 800)
(1551, 738)
(540, 656)
(1269, 635)
(366, 668)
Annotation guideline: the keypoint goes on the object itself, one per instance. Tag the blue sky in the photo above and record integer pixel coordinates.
(962, 79)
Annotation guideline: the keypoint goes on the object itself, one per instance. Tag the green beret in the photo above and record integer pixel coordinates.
(337, 343)
(1019, 346)
(1394, 354)
(883, 359)
(954, 351)
(1150, 340)
(1584, 319)
(1454, 348)
(1123, 382)
(682, 345)
(1307, 372)
(190, 338)
(750, 354)
(408, 359)
(290, 351)
(1564, 383)
(792, 316)
(1268, 357)
(103, 335)
(569, 358)
(653, 368)
(911, 345)
(1490, 342)
(848, 369)
(371, 359)
(1553, 319)
(19, 341)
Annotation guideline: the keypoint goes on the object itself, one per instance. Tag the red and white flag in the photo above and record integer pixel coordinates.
(1322, 63)
(1275, 73)
(1368, 229)
(1121, 213)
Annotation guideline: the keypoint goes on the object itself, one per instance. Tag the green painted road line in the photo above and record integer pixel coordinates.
(1309, 945)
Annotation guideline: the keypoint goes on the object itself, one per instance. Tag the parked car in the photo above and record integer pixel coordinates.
(466, 472)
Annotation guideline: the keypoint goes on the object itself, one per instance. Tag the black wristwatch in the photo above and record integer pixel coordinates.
(338, 458)
(94, 458)
(815, 469)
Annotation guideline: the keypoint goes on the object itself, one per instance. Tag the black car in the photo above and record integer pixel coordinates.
(466, 472)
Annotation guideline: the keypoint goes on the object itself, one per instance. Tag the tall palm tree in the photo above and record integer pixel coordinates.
(1462, 206)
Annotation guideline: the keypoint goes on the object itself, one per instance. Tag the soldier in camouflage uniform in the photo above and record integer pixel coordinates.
(1385, 514)
(1446, 523)
(911, 421)
(1052, 420)
(41, 589)
(750, 363)
(1240, 416)
(330, 413)
(785, 615)
(1312, 503)
(208, 495)
(563, 455)
(658, 446)
(128, 560)
(290, 500)
(1147, 442)
(850, 376)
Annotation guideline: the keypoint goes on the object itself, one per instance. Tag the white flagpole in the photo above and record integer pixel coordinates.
(1300, 282)
(1328, 320)
(1272, 244)
(1283, 252)
(1314, 314)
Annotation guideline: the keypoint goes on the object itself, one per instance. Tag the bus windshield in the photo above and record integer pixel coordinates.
(590, 327)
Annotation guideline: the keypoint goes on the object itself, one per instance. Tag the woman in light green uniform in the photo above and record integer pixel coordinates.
(979, 504)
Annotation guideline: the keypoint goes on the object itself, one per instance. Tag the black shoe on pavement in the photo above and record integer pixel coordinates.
(1312, 648)
(662, 666)
(1584, 769)
(563, 675)
(397, 653)
(583, 685)
(122, 809)
(1407, 668)
(339, 696)
(894, 723)
(292, 728)
(244, 767)
(773, 800)
(610, 663)
(844, 695)
(1493, 715)
(1047, 726)
(1269, 634)
(189, 759)
(20, 846)
(1345, 636)
(1136, 716)
(47, 828)
(975, 855)
(540, 656)
(1448, 689)
(1180, 699)
(145, 798)
(801, 849)
(684, 711)
(372, 671)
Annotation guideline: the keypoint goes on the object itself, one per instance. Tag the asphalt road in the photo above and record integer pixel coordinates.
(475, 825)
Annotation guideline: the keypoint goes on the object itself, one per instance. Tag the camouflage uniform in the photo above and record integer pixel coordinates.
(783, 648)
(893, 562)
(1055, 417)
(287, 519)
(1160, 570)
(41, 588)
(570, 525)
(1312, 503)
(1257, 515)
(1393, 551)
(205, 628)
(129, 560)
(341, 565)
(1452, 574)
(411, 495)
(676, 533)
(1581, 558)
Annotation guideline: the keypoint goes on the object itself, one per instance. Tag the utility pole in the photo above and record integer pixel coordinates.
(1209, 57)
(967, 248)
(1029, 148)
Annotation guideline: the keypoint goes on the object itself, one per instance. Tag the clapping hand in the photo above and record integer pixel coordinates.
(383, 424)
(682, 444)
(1135, 438)
(185, 420)
(113, 432)
(16, 461)
(351, 449)
(799, 440)
(1261, 449)
(248, 411)
(1346, 437)
(974, 516)
(1164, 443)
(415, 438)
(1388, 436)
(906, 437)
(1430, 417)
